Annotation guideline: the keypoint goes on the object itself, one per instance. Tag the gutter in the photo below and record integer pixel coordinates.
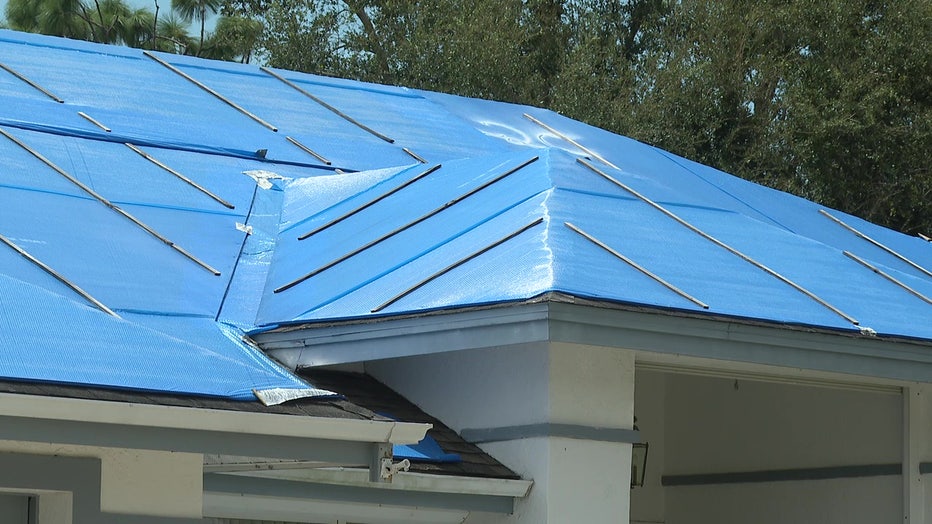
(404, 481)
(200, 419)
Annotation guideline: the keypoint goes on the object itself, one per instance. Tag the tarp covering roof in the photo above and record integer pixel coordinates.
(199, 200)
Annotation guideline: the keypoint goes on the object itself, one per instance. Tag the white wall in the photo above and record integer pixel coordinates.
(874, 500)
(715, 425)
(157, 483)
(14, 509)
(575, 479)
(721, 425)
(650, 391)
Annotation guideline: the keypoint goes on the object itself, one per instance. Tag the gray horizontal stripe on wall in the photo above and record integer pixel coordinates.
(925, 468)
(543, 429)
(779, 475)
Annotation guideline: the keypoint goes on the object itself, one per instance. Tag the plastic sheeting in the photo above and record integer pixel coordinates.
(552, 257)
(507, 242)
(51, 338)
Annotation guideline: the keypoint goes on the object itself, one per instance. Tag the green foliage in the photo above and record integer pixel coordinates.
(828, 99)
(113, 22)
(235, 39)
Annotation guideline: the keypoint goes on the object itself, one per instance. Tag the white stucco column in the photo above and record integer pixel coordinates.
(916, 451)
(558, 414)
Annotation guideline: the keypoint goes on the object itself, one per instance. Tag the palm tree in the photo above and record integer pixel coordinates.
(235, 38)
(111, 21)
(172, 35)
(191, 10)
(107, 21)
(23, 15)
(63, 18)
(139, 28)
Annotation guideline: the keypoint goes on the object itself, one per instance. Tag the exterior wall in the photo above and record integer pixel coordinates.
(648, 504)
(495, 387)
(14, 509)
(579, 386)
(874, 500)
(695, 425)
(713, 425)
(136, 482)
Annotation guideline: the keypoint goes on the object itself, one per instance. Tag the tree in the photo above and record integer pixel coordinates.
(828, 99)
(196, 10)
(106, 21)
(114, 22)
(234, 39)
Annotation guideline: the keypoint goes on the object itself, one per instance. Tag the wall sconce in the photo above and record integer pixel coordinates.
(638, 460)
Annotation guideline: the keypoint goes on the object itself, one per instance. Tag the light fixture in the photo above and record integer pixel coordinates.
(638, 460)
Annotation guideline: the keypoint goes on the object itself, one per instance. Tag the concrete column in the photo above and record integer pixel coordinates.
(915, 448)
(558, 414)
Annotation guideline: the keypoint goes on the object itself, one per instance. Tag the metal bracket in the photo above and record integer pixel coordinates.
(389, 468)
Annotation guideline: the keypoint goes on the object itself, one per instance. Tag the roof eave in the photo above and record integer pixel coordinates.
(563, 319)
(35, 418)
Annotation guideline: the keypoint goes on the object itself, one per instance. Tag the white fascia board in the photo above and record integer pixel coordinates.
(208, 420)
(405, 336)
(401, 481)
(790, 347)
(244, 506)
(639, 329)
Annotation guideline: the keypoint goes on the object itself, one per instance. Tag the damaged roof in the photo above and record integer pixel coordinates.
(157, 207)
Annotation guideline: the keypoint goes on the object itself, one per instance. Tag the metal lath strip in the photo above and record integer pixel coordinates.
(368, 204)
(403, 228)
(317, 99)
(455, 265)
(886, 275)
(876, 243)
(414, 155)
(302, 147)
(58, 276)
(32, 84)
(203, 86)
(637, 266)
(720, 244)
(178, 175)
(571, 141)
(92, 120)
(107, 203)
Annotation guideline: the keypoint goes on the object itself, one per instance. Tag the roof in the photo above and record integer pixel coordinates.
(159, 207)
(660, 231)
(328, 407)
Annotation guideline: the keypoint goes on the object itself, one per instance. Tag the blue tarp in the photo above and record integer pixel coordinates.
(402, 236)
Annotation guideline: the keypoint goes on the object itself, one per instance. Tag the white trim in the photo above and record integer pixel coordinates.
(244, 506)
(199, 419)
(595, 324)
(404, 481)
(914, 438)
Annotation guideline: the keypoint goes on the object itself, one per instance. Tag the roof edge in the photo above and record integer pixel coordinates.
(258, 425)
(560, 318)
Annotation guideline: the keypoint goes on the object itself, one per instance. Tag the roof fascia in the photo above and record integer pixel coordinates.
(649, 331)
(34, 418)
(723, 339)
(254, 507)
(356, 494)
(403, 337)
(401, 481)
